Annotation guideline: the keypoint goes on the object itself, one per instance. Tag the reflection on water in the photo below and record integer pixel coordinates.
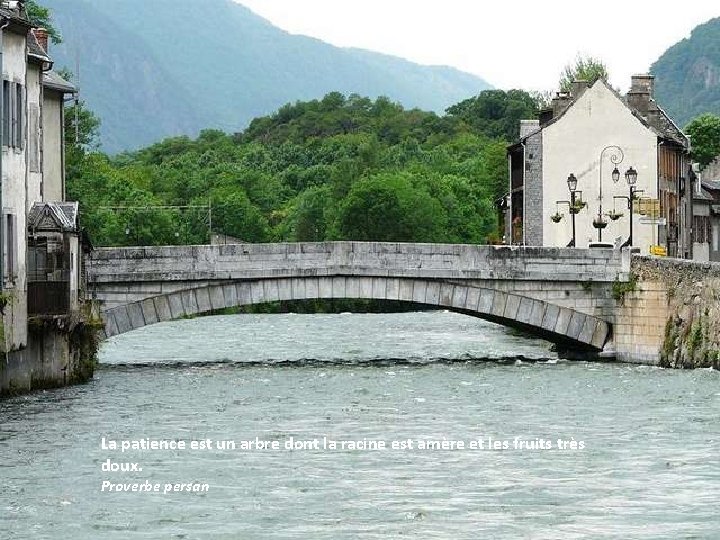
(650, 468)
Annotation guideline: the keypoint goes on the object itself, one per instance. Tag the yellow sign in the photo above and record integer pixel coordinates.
(647, 207)
(660, 251)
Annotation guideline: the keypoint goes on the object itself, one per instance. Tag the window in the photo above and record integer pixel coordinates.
(13, 118)
(10, 247)
(701, 229)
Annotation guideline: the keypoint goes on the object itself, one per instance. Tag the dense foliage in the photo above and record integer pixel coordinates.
(688, 74)
(337, 168)
(584, 68)
(41, 17)
(704, 132)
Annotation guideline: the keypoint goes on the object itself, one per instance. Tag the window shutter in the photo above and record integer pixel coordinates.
(9, 248)
(13, 114)
(6, 114)
(5, 246)
(34, 138)
(12, 228)
(20, 111)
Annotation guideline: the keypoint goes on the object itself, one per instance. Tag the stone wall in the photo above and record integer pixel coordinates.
(56, 355)
(669, 314)
(691, 329)
(639, 320)
(533, 215)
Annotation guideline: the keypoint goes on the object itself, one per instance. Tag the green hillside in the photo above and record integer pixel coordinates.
(153, 69)
(339, 168)
(688, 74)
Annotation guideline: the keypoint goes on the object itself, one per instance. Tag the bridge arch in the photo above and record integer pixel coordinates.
(555, 323)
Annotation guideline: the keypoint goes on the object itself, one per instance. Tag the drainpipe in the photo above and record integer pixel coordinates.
(659, 193)
(524, 184)
(507, 240)
(5, 24)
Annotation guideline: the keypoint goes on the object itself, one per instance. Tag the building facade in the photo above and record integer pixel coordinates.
(40, 258)
(597, 136)
(706, 214)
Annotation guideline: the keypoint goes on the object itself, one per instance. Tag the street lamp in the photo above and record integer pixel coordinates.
(631, 179)
(616, 158)
(572, 186)
(575, 204)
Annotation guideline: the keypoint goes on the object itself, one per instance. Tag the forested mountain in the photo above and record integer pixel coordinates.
(153, 69)
(339, 168)
(688, 74)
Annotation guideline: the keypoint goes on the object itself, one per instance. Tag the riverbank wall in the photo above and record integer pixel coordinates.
(668, 314)
(60, 351)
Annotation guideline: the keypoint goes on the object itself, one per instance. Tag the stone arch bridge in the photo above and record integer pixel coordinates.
(563, 295)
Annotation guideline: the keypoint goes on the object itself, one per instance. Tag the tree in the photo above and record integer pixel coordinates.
(42, 18)
(309, 215)
(584, 68)
(704, 133)
(235, 215)
(496, 113)
(388, 208)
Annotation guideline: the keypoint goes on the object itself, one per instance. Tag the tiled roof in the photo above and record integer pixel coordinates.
(52, 80)
(54, 216)
(713, 185)
(15, 17)
(34, 48)
(704, 196)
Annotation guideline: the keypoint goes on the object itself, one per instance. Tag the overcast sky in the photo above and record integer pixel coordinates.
(511, 44)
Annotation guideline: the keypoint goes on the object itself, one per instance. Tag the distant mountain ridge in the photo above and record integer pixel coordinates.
(688, 74)
(153, 69)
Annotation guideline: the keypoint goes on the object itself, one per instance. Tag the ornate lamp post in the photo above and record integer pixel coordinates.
(616, 158)
(572, 186)
(575, 204)
(631, 179)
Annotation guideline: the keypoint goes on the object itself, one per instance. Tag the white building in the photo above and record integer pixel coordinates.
(40, 259)
(591, 133)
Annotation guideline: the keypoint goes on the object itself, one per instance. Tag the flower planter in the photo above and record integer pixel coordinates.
(599, 223)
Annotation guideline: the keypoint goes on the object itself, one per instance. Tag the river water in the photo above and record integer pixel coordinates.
(648, 466)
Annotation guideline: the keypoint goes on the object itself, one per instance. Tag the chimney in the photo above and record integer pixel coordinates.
(528, 126)
(560, 102)
(577, 88)
(644, 83)
(641, 93)
(41, 34)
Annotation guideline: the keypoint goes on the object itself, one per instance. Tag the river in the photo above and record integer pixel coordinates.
(648, 466)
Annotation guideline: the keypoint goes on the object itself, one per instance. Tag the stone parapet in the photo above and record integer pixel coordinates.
(427, 261)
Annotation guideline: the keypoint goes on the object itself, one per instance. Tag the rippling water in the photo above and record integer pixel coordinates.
(649, 469)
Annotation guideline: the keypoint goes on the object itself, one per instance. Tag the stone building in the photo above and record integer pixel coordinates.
(36, 329)
(706, 214)
(597, 136)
